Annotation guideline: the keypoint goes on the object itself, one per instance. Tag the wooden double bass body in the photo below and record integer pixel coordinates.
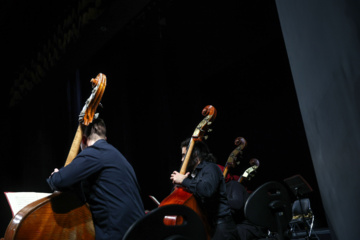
(60, 215)
(180, 195)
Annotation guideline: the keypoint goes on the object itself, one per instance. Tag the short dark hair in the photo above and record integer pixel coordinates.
(97, 126)
(200, 150)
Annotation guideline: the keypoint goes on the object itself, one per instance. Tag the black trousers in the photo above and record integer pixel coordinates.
(225, 229)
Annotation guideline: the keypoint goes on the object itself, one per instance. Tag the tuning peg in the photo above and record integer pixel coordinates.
(206, 137)
(209, 123)
(209, 130)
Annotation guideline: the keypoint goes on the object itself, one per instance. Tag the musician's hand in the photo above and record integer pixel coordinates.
(55, 170)
(177, 177)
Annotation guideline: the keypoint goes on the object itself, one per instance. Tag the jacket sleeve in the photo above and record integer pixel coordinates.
(79, 169)
(206, 183)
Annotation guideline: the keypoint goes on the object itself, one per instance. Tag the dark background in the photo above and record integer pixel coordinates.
(164, 61)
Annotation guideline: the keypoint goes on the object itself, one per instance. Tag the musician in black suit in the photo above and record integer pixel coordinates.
(111, 191)
(205, 180)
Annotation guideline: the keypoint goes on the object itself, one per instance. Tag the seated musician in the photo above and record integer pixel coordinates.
(205, 180)
(113, 192)
(237, 195)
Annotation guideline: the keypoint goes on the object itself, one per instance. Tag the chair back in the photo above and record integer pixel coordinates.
(270, 206)
(301, 207)
(302, 221)
(152, 227)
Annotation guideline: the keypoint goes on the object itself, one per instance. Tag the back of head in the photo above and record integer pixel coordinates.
(200, 150)
(95, 129)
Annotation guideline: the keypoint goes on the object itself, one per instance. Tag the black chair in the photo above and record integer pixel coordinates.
(301, 224)
(269, 206)
(152, 227)
(303, 218)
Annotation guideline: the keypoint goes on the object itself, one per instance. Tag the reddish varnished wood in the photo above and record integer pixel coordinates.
(58, 216)
(182, 197)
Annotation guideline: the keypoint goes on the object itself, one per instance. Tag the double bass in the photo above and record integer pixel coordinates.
(180, 195)
(61, 215)
(232, 160)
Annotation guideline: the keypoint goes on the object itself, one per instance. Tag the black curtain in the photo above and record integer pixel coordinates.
(322, 42)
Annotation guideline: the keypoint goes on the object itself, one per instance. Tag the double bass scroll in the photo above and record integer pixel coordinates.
(87, 114)
(232, 160)
(250, 172)
(203, 127)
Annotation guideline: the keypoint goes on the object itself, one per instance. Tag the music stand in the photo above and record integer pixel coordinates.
(298, 185)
